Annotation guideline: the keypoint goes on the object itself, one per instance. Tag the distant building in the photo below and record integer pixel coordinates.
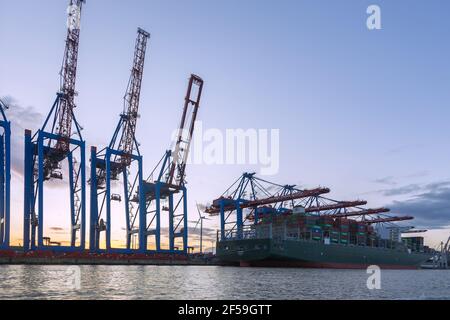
(391, 233)
(414, 243)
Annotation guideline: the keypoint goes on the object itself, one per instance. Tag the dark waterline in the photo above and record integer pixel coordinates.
(208, 282)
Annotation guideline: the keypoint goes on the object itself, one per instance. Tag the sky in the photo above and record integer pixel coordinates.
(363, 112)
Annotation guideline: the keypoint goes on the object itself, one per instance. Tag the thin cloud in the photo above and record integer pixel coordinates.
(403, 148)
(418, 174)
(56, 229)
(394, 181)
(386, 180)
(207, 232)
(404, 190)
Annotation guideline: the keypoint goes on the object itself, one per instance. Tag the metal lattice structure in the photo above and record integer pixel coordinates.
(5, 178)
(118, 159)
(53, 144)
(68, 78)
(238, 205)
(249, 197)
(167, 191)
(131, 100)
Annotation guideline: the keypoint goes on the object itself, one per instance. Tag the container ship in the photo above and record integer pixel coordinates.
(311, 241)
(300, 240)
(318, 233)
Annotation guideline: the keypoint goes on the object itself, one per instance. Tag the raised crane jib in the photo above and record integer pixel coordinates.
(131, 99)
(68, 76)
(185, 132)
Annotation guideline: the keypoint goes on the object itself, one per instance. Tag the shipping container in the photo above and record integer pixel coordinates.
(326, 222)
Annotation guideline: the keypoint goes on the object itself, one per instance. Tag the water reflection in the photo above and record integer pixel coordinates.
(192, 282)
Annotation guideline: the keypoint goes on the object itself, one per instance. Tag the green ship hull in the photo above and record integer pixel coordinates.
(314, 254)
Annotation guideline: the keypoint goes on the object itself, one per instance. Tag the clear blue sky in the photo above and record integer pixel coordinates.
(362, 112)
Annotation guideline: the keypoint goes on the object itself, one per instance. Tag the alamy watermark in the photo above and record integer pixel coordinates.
(259, 147)
(55, 278)
(68, 277)
(374, 280)
(374, 20)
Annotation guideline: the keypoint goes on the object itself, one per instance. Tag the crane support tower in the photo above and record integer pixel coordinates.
(167, 191)
(51, 146)
(5, 178)
(120, 158)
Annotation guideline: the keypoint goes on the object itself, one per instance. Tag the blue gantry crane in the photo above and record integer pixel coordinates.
(49, 147)
(248, 198)
(5, 177)
(117, 160)
(165, 189)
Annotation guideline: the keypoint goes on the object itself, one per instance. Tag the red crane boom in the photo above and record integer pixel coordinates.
(359, 213)
(260, 202)
(414, 231)
(340, 205)
(390, 219)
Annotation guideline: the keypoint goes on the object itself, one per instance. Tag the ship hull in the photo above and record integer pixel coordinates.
(310, 254)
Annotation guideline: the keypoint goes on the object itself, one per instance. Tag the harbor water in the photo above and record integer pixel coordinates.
(213, 282)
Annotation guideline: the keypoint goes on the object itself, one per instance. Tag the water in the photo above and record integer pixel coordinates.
(210, 282)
